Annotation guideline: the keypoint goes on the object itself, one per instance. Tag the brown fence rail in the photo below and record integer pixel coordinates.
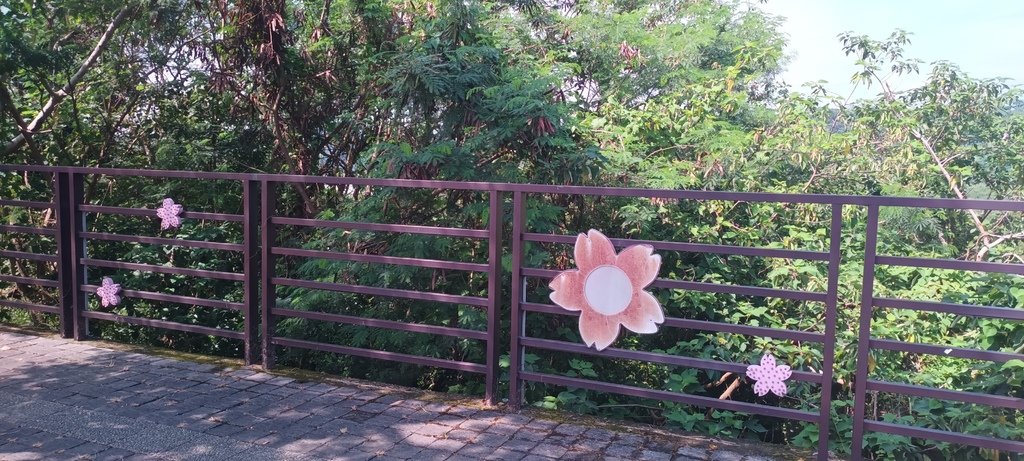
(260, 277)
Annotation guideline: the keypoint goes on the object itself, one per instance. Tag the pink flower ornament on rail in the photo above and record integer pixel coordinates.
(769, 377)
(608, 289)
(108, 292)
(168, 214)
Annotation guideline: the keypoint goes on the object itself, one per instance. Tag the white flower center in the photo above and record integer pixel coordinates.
(608, 290)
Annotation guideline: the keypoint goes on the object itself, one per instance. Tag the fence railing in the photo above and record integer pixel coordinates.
(507, 206)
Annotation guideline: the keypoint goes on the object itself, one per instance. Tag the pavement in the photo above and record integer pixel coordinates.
(67, 400)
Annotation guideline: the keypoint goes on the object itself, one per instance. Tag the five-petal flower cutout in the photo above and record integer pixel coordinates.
(168, 214)
(608, 289)
(769, 377)
(108, 292)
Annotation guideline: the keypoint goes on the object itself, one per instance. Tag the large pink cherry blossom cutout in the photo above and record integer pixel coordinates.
(168, 214)
(108, 292)
(608, 289)
(769, 377)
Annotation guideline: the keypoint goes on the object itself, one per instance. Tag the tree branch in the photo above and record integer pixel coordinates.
(985, 236)
(7, 101)
(56, 98)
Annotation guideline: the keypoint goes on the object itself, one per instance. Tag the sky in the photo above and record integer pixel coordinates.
(984, 37)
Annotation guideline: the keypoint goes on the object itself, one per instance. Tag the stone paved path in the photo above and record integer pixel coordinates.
(61, 399)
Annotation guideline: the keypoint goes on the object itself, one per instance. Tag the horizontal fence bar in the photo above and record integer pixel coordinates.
(688, 399)
(28, 230)
(28, 256)
(741, 290)
(152, 213)
(971, 310)
(1001, 401)
(378, 323)
(168, 325)
(866, 200)
(26, 204)
(692, 247)
(702, 325)
(164, 269)
(378, 259)
(377, 227)
(652, 357)
(377, 291)
(153, 296)
(30, 306)
(381, 355)
(945, 436)
(707, 287)
(161, 241)
(951, 264)
(28, 281)
(942, 351)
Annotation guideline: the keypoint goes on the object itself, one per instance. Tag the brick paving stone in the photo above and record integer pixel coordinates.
(420, 440)
(532, 457)
(280, 381)
(374, 407)
(17, 452)
(651, 455)
(620, 450)
(85, 449)
(725, 455)
(449, 420)
(430, 454)
(366, 395)
(433, 429)
(383, 421)
(519, 445)
(629, 439)
(532, 435)
(437, 407)
(505, 455)
(570, 429)
(692, 453)
(404, 450)
(447, 445)
(503, 428)
(475, 451)
(549, 450)
(458, 457)
(376, 446)
(62, 399)
(225, 429)
(541, 425)
(112, 454)
(488, 439)
(462, 435)
(514, 419)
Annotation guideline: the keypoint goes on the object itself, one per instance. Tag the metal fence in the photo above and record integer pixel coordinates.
(259, 277)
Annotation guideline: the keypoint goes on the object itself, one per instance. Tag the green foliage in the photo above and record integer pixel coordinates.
(677, 95)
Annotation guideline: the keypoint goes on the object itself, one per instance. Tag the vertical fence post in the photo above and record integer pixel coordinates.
(68, 193)
(251, 266)
(268, 296)
(515, 390)
(831, 313)
(494, 273)
(65, 228)
(864, 335)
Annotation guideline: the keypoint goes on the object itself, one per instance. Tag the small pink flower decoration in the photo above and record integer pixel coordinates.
(769, 377)
(108, 292)
(168, 214)
(608, 289)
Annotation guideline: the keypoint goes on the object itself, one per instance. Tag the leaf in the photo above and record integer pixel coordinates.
(1013, 364)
